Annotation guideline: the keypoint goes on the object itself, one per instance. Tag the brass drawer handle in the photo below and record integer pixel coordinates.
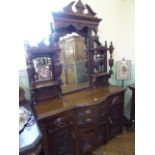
(88, 111)
(88, 120)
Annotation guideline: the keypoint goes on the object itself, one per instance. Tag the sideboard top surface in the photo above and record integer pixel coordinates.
(82, 98)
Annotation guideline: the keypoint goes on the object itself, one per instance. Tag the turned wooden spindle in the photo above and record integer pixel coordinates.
(111, 60)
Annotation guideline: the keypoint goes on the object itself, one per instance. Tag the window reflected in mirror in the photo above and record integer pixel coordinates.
(74, 62)
(42, 69)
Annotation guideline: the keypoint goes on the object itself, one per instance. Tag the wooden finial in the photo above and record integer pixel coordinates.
(80, 7)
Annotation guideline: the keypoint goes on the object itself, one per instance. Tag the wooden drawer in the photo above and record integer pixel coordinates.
(87, 110)
(88, 115)
(60, 121)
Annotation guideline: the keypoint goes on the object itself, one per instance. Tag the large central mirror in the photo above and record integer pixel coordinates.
(74, 62)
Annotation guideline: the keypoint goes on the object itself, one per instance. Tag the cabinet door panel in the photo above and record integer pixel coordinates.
(87, 141)
(116, 115)
(61, 140)
(101, 132)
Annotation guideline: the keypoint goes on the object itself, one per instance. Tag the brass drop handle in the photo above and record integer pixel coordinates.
(88, 111)
(88, 120)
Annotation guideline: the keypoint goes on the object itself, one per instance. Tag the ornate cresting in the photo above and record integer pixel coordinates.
(82, 16)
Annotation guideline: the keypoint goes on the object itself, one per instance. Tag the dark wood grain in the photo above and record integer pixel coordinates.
(83, 98)
(83, 120)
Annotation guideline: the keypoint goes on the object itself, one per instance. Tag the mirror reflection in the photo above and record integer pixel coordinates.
(98, 63)
(73, 59)
(42, 69)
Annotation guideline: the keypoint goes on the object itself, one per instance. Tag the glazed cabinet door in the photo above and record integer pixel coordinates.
(116, 115)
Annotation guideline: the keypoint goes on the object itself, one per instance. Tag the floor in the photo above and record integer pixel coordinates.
(123, 144)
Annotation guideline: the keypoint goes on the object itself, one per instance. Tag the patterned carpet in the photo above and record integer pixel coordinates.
(123, 144)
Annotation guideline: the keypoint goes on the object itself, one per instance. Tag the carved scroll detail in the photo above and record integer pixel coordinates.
(68, 8)
(80, 8)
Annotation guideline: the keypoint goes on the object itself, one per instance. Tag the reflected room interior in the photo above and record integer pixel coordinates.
(74, 62)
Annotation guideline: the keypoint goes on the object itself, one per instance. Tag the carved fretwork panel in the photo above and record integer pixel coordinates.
(61, 141)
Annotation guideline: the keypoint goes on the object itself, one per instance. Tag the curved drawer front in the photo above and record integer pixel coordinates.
(60, 121)
(88, 115)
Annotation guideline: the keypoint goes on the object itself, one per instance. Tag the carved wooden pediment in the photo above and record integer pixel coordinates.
(80, 9)
(76, 14)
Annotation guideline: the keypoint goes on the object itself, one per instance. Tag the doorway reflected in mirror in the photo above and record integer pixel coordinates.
(74, 62)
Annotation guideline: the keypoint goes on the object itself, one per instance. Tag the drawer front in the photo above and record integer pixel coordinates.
(87, 111)
(88, 115)
(60, 121)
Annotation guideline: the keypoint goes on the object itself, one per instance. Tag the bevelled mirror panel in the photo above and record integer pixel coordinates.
(42, 67)
(74, 62)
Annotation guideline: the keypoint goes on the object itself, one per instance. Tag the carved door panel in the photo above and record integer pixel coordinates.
(61, 140)
(101, 134)
(87, 142)
(116, 115)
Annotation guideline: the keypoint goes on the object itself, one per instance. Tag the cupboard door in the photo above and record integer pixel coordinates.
(61, 140)
(116, 115)
(87, 142)
(101, 133)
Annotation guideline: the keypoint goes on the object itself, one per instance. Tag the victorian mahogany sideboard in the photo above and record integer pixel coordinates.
(80, 122)
(77, 122)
